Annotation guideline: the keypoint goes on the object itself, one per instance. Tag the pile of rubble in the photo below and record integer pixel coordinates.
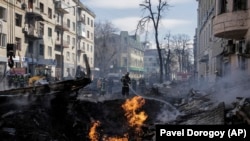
(206, 106)
(62, 117)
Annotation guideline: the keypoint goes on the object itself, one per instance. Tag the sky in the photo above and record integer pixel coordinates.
(180, 18)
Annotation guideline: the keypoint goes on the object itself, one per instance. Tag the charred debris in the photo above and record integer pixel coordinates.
(65, 116)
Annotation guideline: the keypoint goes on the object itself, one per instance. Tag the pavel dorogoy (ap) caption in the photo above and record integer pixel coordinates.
(201, 132)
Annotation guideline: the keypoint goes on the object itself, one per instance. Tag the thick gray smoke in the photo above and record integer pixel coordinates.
(226, 89)
(167, 114)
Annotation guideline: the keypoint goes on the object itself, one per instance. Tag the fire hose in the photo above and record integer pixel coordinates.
(151, 98)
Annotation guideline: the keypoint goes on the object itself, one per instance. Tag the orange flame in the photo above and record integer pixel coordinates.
(135, 119)
(131, 106)
(93, 135)
(125, 138)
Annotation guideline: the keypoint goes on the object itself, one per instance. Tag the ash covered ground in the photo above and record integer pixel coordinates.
(67, 117)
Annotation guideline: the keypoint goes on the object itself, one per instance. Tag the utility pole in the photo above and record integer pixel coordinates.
(62, 57)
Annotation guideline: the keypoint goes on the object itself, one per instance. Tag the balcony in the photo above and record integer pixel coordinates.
(34, 13)
(81, 30)
(80, 50)
(63, 27)
(32, 32)
(61, 6)
(232, 25)
(81, 19)
(65, 43)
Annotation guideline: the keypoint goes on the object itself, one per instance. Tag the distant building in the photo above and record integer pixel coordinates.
(151, 63)
(128, 57)
(132, 55)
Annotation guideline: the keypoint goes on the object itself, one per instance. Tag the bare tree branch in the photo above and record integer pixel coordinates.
(105, 49)
(154, 16)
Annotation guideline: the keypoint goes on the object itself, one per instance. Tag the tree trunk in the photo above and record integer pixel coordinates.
(160, 56)
(167, 66)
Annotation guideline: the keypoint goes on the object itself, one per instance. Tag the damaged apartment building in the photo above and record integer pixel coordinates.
(222, 39)
(47, 33)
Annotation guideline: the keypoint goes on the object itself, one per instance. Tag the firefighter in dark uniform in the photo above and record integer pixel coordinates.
(125, 84)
